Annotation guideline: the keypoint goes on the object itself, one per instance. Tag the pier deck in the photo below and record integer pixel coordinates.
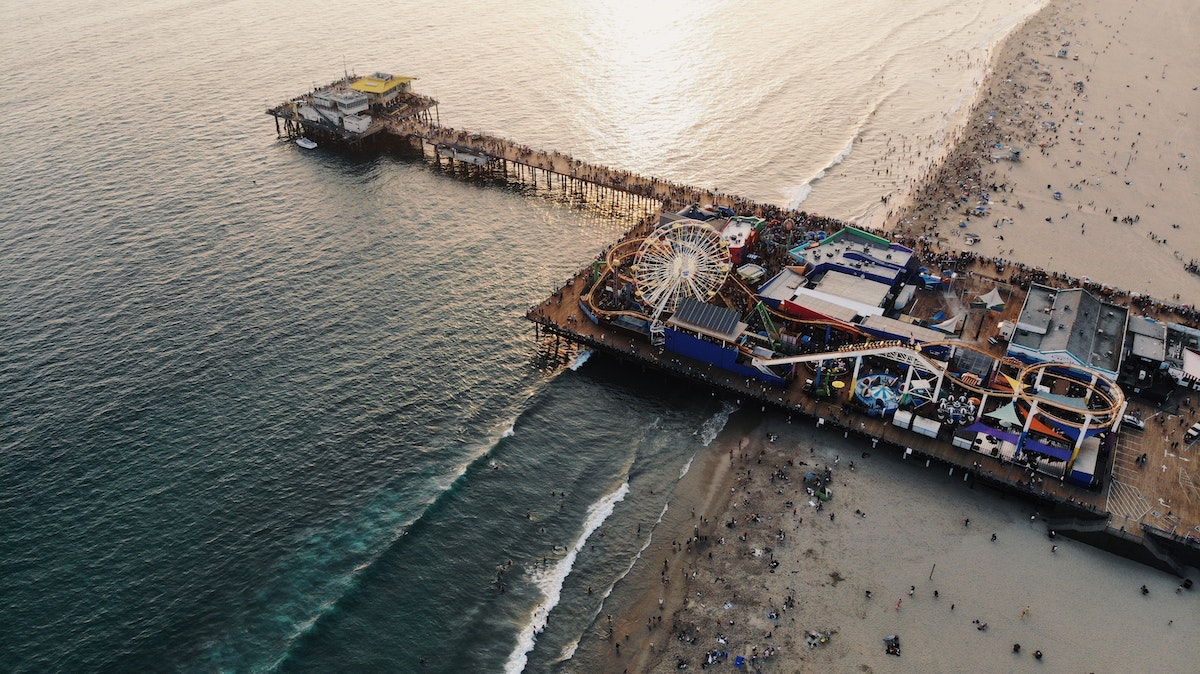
(1160, 499)
(1146, 503)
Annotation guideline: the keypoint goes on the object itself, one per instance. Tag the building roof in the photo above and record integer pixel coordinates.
(1148, 338)
(707, 319)
(737, 231)
(902, 330)
(340, 97)
(1180, 338)
(825, 308)
(1072, 321)
(379, 83)
(783, 285)
(858, 289)
(862, 252)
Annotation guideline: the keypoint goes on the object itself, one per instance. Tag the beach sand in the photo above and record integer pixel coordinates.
(1120, 146)
(895, 523)
(1104, 188)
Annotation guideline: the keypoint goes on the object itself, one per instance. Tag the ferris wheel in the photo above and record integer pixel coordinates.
(686, 258)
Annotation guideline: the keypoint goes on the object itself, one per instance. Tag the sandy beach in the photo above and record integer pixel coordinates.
(1101, 99)
(746, 564)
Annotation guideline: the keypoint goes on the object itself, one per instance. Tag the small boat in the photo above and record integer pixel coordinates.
(306, 143)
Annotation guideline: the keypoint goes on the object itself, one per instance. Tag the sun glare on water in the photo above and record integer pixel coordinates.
(643, 67)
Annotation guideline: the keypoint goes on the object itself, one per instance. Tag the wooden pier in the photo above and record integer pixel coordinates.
(1148, 510)
(412, 120)
(1148, 513)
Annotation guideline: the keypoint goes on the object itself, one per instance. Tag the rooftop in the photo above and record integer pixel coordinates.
(853, 248)
(783, 286)
(857, 289)
(826, 308)
(379, 83)
(1148, 338)
(1074, 322)
(707, 319)
(905, 331)
(340, 96)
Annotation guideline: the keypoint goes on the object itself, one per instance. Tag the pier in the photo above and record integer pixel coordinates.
(1144, 502)
(1143, 511)
(363, 112)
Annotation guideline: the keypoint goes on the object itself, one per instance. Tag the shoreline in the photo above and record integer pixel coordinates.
(757, 569)
(718, 562)
(632, 633)
(883, 216)
(1073, 170)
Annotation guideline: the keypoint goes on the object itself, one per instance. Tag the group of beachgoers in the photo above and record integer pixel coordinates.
(714, 606)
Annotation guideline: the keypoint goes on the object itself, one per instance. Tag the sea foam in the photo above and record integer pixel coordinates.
(713, 426)
(580, 358)
(550, 579)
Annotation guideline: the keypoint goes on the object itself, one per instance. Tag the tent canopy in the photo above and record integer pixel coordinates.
(950, 325)
(1007, 414)
(992, 300)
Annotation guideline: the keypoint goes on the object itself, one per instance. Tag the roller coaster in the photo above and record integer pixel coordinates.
(620, 268)
(1098, 401)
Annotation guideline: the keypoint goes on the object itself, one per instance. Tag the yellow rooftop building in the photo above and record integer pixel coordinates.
(382, 87)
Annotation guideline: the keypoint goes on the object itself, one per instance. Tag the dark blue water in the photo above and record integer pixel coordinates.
(261, 432)
(270, 410)
(245, 435)
(262, 409)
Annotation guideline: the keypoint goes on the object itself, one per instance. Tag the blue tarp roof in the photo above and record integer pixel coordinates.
(978, 427)
(1047, 450)
(1031, 445)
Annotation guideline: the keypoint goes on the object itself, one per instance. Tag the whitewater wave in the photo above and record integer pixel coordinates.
(798, 194)
(568, 651)
(687, 466)
(712, 427)
(580, 358)
(550, 579)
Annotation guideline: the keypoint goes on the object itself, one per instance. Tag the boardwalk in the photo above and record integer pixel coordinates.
(669, 195)
(1159, 497)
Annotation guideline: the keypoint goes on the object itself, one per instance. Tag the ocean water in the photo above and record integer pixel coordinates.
(271, 410)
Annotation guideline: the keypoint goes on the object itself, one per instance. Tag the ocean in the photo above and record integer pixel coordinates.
(272, 410)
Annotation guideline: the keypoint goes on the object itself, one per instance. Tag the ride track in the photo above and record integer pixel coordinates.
(1027, 378)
